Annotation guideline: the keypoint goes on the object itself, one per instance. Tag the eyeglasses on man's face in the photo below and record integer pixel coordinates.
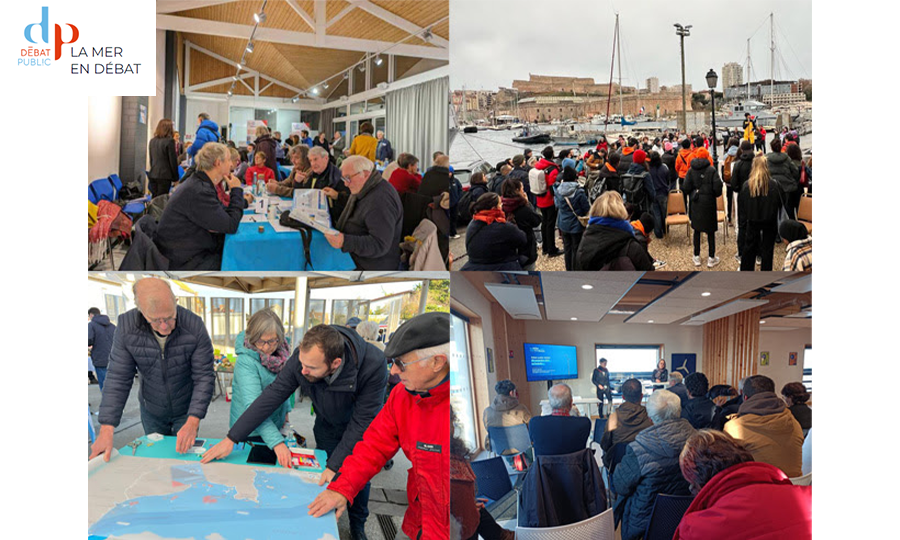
(401, 365)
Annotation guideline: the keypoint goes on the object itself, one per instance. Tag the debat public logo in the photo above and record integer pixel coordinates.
(45, 37)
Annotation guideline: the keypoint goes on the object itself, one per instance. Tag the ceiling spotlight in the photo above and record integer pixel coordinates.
(762, 322)
(249, 46)
(378, 60)
(587, 287)
(574, 319)
(229, 93)
(362, 68)
(427, 35)
(346, 75)
(650, 321)
(315, 91)
(705, 293)
(260, 17)
(296, 99)
(234, 78)
(325, 86)
(239, 66)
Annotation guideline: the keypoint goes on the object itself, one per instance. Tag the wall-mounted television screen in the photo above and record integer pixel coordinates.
(545, 362)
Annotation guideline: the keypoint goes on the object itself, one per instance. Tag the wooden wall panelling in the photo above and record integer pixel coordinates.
(515, 342)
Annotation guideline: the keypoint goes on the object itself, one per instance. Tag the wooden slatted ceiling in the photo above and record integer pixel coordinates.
(357, 24)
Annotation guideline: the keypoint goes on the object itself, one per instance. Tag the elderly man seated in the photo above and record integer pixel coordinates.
(650, 465)
(559, 433)
(505, 410)
(372, 219)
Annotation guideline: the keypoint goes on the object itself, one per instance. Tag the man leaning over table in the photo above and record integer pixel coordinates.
(416, 419)
(371, 222)
(169, 347)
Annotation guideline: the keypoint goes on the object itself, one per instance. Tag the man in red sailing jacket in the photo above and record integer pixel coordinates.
(416, 419)
(546, 204)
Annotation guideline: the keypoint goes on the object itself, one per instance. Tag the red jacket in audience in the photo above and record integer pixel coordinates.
(264, 173)
(404, 181)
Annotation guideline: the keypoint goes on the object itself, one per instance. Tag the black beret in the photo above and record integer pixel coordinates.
(426, 330)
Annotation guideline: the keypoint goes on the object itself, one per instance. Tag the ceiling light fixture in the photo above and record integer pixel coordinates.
(574, 318)
(249, 47)
(707, 293)
(378, 60)
(362, 68)
(346, 75)
(587, 287)
(325, 86)
(260, 17)
(427, 35)
(315, 91)
(650, 321)
(295, 100)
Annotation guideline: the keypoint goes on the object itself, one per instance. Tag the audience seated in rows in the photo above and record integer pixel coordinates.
(795, 396)
(561, 432)
(699, 409)
(650, 465)
(767, 428)
(736, 497)
(626, 421)
(676, 386)
(727, 401)
(505, 410)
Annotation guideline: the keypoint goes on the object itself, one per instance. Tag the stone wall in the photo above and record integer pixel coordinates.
(669, 104)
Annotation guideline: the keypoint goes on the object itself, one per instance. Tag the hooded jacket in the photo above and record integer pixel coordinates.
(372, 232)
(526, 219)
(626, 158)
(561, 490)
(506, 411)
(250, 379)
(566, 220)
(207, 131)
(699, 411)
(683, 162)
(546, 200)
(749, 501)
(650, 466)
(703, 179)
(418, 424)
(604, 245)
(344, 407)
(100, 338)
(769, 431)
(176, 381)
(631, 419)
(741, 171)
(784, 171)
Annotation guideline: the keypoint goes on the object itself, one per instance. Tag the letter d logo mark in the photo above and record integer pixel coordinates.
(44, 24)
(59, 42)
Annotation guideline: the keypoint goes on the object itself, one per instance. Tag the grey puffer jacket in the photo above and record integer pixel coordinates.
(650, 466)
(174, 382)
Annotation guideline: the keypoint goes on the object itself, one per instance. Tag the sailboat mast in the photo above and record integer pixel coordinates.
(748, 68)
(772, 58)
(611, 66)
(619, 62)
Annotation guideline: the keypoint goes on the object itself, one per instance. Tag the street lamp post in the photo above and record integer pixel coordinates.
(682, 32)
(712, 80)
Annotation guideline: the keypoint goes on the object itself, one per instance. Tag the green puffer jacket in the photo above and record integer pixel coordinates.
(250, 378)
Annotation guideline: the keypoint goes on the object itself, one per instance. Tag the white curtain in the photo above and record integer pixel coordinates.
(417, 119)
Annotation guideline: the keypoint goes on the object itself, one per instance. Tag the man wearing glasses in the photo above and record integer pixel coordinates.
(416, 419)
(345, 377)
(372, 219)
(171, 350)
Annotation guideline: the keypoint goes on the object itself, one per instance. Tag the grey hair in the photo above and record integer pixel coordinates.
(663, 405)
(318, 151)
(366, 329)
(437, 350)
(261, 130)
(210, 153)
(358, 164)
(134, 291)
(560, 396)
(298, 148)
(263, 322)
(675, 378)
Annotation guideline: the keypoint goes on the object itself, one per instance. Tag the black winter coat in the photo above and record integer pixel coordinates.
(760, 209)
(625, 161)
(521, 173)
(344, 408)
(372, 233)
(681, 391)
(526, 220)
(650, 466)
(602, 245)
(703, 179)
(668, 159)
(561, 490)
(163, 159)
(741, 171)
(699, 411)
(174, 382)
(613, 182)
(494, 247)
(435, 181)
(727, 409)
(784, 171)
(100, 337)
(192, 228)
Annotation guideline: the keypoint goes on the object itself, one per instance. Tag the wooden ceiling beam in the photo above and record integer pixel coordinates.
(244, 68)
(303, 14)
(288, 37)
(172, 6)
(398, 21)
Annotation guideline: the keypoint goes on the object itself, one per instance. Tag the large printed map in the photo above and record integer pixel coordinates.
(134, 498)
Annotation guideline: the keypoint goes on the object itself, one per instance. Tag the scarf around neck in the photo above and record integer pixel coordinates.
(620, 224)
(490, 216)
(275, 361)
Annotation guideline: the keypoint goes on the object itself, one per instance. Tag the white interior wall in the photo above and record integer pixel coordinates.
(217, 111)
(779, 345)
(104, 132)
(466, 294)
(156, 105)
(611, 331)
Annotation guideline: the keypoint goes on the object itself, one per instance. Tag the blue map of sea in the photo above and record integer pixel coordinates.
(206, 508)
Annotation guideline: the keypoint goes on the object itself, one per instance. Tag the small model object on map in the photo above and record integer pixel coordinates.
(302, 458)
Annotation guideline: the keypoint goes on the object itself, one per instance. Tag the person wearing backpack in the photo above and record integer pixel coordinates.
(477, 188)
(658, 187)
(496, 183)
(542, 177)
(520, 169)
(571, 204)
(491, 242)
(608, 242)
(634, 182)
(521, 212)
(704, 186)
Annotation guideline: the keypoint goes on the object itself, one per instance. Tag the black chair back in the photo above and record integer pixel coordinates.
(599, 428)
(493, 480)
(667, 513)
(556, 435)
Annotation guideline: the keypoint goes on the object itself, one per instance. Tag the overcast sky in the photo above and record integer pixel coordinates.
(496, 41)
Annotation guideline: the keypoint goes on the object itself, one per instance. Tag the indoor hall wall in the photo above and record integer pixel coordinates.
(104, 132)
(779, 344)
(612, 331)
(217, 110)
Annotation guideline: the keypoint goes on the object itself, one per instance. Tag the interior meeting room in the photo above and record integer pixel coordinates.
(617, 404)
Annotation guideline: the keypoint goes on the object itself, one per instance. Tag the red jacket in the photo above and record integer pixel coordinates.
(262, 172)
(404, 181)
(546, 200)
(749, 501)
(421, 427)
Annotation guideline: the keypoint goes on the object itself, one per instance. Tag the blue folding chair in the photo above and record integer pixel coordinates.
(493, 480)
(509, 438)
(666, 515)
(132, 208)
(180, 172)
(102, 190)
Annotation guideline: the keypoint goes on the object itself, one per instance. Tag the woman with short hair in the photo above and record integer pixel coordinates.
(262, 351)
(368, 330)
(163, 159)
(491, 242)
(608, 242)
(738, 498)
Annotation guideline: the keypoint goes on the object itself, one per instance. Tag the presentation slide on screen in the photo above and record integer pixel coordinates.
(550, 362)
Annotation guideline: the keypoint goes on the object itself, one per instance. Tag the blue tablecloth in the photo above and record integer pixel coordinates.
(248, 249)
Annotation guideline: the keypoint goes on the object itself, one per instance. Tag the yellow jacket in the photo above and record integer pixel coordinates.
(775, 439)
(364, 145)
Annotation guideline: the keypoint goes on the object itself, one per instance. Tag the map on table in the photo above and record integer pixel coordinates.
(134, 498)
(310, 207)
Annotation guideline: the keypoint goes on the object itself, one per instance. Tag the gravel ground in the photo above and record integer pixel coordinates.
(676, 249)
